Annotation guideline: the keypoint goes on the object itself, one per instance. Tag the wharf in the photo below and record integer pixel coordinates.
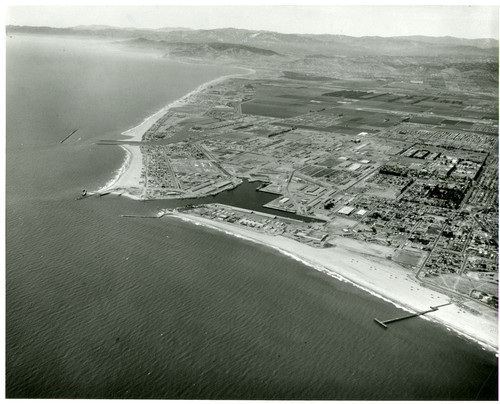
(270, 205)
(393, 320)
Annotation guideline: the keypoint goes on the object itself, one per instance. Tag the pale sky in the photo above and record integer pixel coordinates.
(396, 20)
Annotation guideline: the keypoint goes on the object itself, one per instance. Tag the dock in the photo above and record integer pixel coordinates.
(421, 313)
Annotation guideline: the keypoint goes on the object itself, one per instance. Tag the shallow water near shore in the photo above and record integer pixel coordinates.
(102, 306)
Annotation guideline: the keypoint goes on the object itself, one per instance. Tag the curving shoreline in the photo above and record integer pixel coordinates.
(127, 177)
(359, 265)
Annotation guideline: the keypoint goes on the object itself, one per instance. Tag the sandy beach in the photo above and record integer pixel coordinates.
(366, 266)
(127, 178)
(361, 264)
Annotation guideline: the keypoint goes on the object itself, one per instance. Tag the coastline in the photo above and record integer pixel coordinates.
(357, 263)
(361, 265)
(126, 181)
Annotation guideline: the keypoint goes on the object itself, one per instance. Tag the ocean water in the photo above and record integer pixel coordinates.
(101, 306)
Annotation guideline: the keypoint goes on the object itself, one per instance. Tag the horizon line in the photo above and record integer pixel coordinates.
(247, 29)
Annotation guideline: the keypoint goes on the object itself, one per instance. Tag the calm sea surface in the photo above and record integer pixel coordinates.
(100, 306)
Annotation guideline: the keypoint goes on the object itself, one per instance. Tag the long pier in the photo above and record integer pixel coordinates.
(421, 313)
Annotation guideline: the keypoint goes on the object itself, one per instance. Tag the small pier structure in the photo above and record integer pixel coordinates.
(421, 313)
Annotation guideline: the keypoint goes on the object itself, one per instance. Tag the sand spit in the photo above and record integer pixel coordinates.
(365, 267)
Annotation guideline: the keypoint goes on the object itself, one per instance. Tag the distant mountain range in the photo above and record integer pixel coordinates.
(106, 27)
(241, 42)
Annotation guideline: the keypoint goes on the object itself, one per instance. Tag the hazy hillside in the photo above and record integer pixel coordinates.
(291, 44)
(204, 50)
(446, 62)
